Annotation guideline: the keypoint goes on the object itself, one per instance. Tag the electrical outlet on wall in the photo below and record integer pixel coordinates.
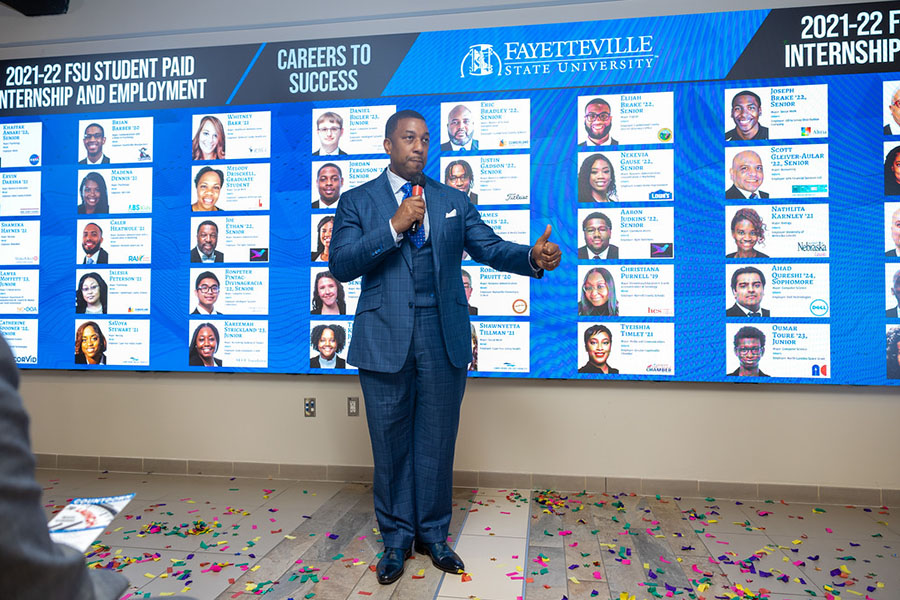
(309, 407)
(352, 406)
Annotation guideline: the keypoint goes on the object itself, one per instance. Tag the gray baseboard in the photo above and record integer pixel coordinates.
(690, 488)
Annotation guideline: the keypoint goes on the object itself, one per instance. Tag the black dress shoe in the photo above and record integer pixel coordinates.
(390, 567)
(442, 556)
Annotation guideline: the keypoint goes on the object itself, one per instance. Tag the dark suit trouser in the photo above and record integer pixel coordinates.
(413, 418)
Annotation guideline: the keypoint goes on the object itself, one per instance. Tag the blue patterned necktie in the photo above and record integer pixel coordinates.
(417, 238)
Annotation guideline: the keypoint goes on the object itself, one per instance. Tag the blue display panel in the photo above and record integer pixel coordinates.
(723, 188)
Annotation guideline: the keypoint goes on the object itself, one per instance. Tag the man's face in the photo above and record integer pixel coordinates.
(598, 348)
(597, 121)
(895, 106)
(459, 179)
(326, 344)
(467, 285)
(895, 227)
(207, 238)
(329, 182)
(745, 112)
(408, 147)
(596, 235)
(93, 142)
(460, 126)
(208, 188)
(747, 171)
(207, 292)
(90, 193)
(749, 291)
(749, 351)
(91, 239)
(329, 134)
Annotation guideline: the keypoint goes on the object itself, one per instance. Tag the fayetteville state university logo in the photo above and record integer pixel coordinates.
(479, 61)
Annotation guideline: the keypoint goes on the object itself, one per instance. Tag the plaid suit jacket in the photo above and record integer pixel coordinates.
(362, 245)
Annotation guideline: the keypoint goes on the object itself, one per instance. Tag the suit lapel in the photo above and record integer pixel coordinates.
(436, 205)
(386, 204)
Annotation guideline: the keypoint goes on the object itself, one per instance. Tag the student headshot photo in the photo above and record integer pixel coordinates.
(323, 239)
(329, 181)
(748, 284)
(91, 294)
(327, 340)
(90, 345)
(328, 295)
(209, 140)
(892, 172)
(598, 294)
(597, 229)
(746, 176)
(91, 240)
(598, 122)
(895, 235)
(749, 347)
(208, 184)
(206, 288)
(460, 130)
(459, 174)
(893, 313)
(747, 230)
(892, 127)
(598, 345)
(597, 180)
(93, 140)
(746, 109)
(473, 366)
(330, 128)
(207, 239)
(893, 353)
(204, 345)
(94, 198)
(467, 286)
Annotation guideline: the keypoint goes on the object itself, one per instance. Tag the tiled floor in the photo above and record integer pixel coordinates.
(221, 537)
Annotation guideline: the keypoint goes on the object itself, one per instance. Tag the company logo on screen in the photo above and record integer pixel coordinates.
(820, 370)
(34, 159)
(259, 255)
(817, 248)
(818, 308)
(590, 56)
(480, 61)
(29, 359)
(659, 368)
(660, 195)
(662, 250)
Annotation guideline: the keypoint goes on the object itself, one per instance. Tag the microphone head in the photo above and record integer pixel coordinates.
(418, 179)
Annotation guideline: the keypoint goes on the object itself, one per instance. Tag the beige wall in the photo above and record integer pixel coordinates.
(840, 436)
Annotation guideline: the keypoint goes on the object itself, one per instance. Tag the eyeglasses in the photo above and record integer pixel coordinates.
(593, 230)
(455, 178)
(208, 288)
(90, 288)
(755, 351)
(331, 130)
(603, 117)
(93, 136)
(594, 288)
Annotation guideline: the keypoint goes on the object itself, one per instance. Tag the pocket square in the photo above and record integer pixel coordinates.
(450, 214)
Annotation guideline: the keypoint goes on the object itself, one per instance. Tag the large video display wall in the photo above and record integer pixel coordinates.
(725, 189)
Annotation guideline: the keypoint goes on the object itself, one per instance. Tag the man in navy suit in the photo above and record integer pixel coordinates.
(411, 335)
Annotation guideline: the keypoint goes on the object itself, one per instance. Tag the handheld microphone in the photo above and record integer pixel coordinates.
(418, 189)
